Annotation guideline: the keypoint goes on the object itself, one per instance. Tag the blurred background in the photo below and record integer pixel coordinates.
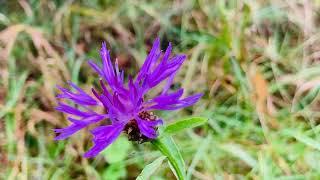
(256, 61)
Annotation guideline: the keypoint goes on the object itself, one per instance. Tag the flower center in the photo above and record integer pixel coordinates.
(133, 130)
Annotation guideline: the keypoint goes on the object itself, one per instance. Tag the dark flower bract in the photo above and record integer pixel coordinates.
(126, 108)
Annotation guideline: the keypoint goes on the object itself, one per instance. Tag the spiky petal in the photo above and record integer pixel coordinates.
(126, 108)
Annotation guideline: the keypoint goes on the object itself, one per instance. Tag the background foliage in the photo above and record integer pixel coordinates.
(256, 61)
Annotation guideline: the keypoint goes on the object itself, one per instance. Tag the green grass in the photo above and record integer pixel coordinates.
(257, 62)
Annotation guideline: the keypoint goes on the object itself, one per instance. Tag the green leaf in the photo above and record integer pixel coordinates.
(184, 124)
(150, 169)
(237, 151)
(115, 171)
(14, 92)
(304, 139)
(199, 155)
(265, 166)
(117, 151)
(240, 76)
(169, 149)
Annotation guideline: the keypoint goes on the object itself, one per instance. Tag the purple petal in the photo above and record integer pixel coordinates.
(118, 104)
(68, 131)
(167, 53)
(108, 70)
(71, 110)
(147, 128)
(107, 73)
(76, 87)
(169, 97)
(150, 60)
(174, 105)
(118, 73)
(124, 102)
(105, 90)
(103, 137)
(169, 83)
(96, 68)
(81, 97)
(76, 126)
(164, 71)
(134, 95)
(106, 104)
(150, 76)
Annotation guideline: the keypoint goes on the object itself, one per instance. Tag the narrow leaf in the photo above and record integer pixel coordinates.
(169, 149)
(184, 124)
(199, 155)
(150, 168)
(240, 76)
(304, 139)
(14, 90)
(239, 152)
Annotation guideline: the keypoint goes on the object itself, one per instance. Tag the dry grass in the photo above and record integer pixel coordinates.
(256, 61)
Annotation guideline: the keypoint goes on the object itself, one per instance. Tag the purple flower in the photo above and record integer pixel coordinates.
(126, 108)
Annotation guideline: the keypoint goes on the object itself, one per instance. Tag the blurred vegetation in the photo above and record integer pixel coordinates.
(256, 61)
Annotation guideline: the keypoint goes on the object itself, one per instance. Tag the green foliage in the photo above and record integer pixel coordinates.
(151, 168)
(168, 148)
(115, 171)
(117, 151)
(255, 61)
(183, 124)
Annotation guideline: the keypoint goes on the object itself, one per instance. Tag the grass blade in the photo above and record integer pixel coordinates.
(304, 139)
(150, 169)
(184, 124)
(168, 148)
(240, 76)
(240, 153)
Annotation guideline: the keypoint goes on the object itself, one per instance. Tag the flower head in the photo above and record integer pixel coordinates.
(126, 108)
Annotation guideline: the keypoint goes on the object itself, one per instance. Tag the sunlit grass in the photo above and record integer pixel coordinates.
(256, 61)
